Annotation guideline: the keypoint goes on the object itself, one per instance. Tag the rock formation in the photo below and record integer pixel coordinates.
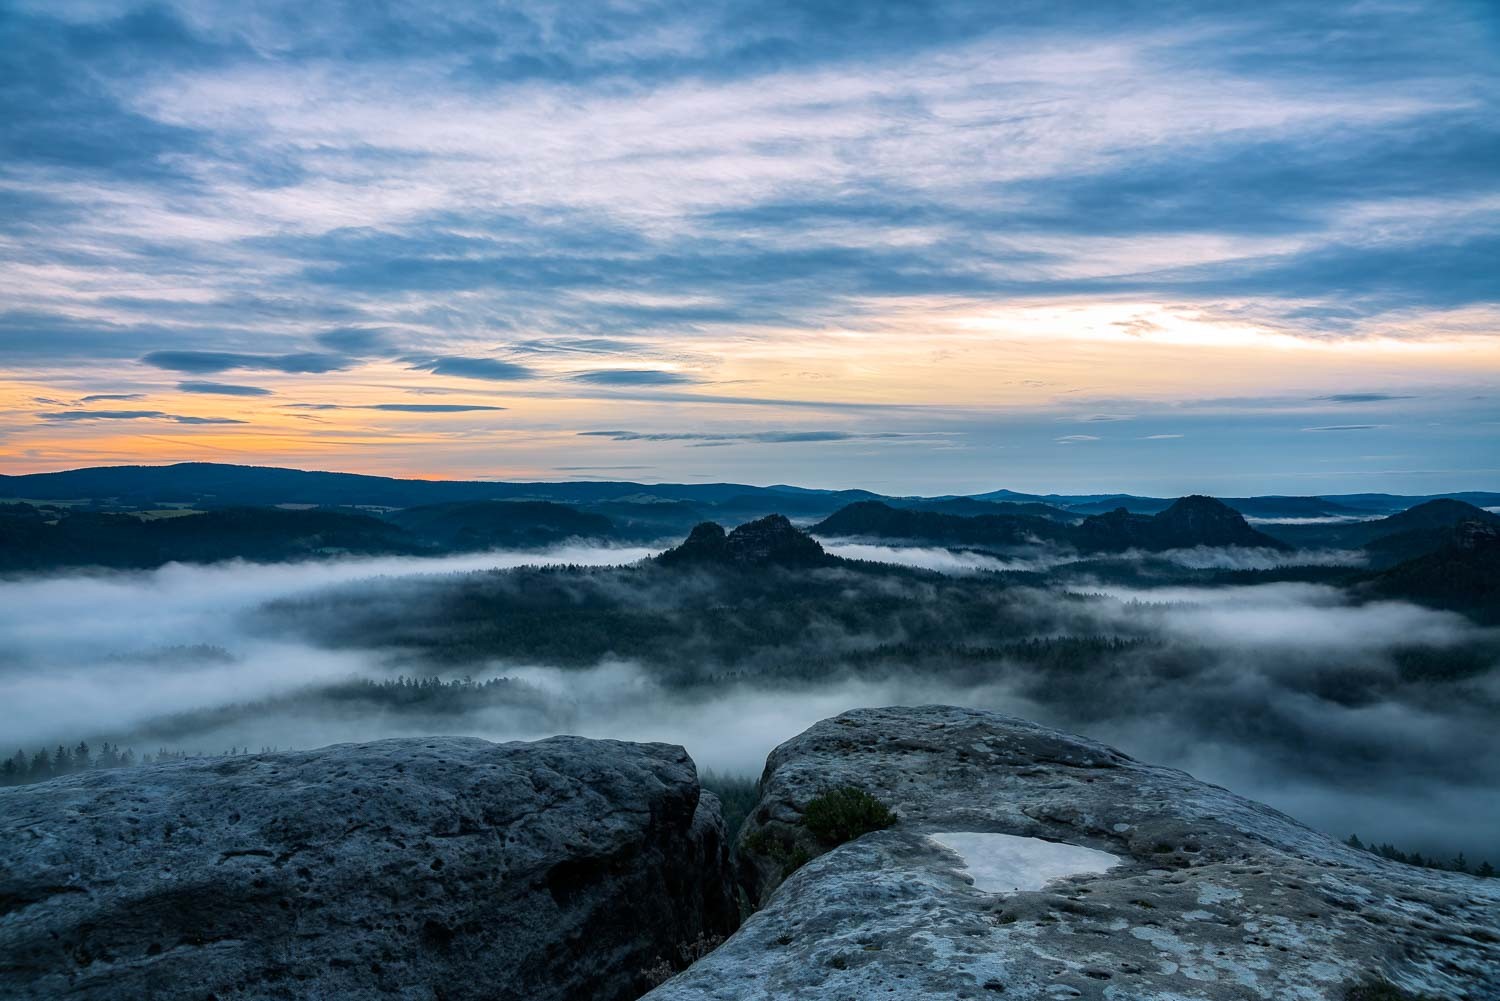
(768, 541)
(444, 868)
(1206, 896)
(1188, 522)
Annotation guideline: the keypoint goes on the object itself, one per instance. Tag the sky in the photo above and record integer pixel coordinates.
(914, 247)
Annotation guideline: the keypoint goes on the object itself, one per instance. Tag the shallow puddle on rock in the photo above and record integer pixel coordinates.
(1004, 863)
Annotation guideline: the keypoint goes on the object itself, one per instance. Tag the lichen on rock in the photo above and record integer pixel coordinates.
(1214, 898)
(439, 868)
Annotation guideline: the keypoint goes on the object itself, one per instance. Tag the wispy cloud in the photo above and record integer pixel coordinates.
(400, 408)
(1347, 427)
(131, 415)
(221, 389)
(465, 367)
(855, 209)
(632, 377)
(206, 362)
(431, 408)
(763, 437)
(1363, 397)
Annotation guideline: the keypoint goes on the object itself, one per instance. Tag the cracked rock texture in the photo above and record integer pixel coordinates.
(437, 869)
(1217, 897)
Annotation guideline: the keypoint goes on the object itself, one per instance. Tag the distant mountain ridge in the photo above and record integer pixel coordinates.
(1186, 523)
(877, 519)
(87, 517)
(44, 539)
(220, 484)
(31, 541)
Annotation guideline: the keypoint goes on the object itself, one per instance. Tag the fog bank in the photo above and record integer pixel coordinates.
(1293, 694)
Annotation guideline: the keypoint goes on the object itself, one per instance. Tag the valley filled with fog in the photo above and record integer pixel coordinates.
(1352, 712)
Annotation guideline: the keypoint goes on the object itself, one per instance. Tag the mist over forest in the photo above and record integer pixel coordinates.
(1292, 676)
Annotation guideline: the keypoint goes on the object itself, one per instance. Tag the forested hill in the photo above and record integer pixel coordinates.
(1187, 522)
(208, 484)
(1421, 529)
(877, 520)
(1462, 576)
(40, 538)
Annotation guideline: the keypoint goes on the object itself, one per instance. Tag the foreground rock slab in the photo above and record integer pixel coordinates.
(448, 869)
(1213, 897)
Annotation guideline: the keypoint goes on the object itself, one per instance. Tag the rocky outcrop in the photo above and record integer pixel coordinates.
(768, 541)
(1184, 890)
(1188, 522)
(444, 868)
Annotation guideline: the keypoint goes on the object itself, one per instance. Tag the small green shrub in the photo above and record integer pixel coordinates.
(737, 794)
(784, 851)
(794, 860)
(841, 815)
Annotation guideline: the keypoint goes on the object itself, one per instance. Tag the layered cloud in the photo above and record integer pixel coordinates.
(680, 206)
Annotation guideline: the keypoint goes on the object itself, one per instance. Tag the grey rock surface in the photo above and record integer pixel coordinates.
(437, 869)
(1216, 897)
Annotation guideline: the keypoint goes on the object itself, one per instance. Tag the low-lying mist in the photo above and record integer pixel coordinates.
(1375, 718)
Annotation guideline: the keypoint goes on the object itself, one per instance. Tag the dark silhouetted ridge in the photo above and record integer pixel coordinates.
(1187, 522)
(1462, 576)
(488, 523)
(877, 520)
(768, 541)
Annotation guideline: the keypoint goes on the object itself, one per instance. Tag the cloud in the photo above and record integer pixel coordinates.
(1347, 427)
(430, 408)
(1071, 439)
(206, 362)
(1362, 397)
(1321, 716)
(221, 389)
(465, 367)
(632, 377)
(761, 437)
(596, 469)
(354, 340)
(130, 415)
(1159, 437)
(407, 408)
(716, 175)
(103, 397)
(576, 345)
